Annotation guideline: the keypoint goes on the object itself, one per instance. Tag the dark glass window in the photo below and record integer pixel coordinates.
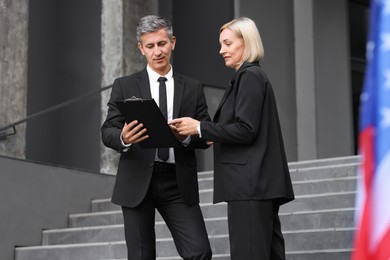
(358, 31)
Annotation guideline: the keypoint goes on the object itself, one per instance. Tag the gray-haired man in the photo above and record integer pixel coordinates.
(149, 179)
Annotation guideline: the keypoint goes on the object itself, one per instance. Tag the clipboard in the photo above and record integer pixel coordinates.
(147, 112)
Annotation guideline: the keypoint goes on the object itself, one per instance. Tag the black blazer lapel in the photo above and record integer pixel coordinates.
(224, 97)
(144, 85)
(229, 89)
(178, 94)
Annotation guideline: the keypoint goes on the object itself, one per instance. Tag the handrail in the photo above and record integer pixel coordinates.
(3, 130)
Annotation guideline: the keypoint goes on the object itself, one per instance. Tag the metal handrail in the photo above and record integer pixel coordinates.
(3, 130)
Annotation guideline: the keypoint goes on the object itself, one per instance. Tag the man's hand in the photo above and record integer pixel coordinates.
(185, 125)
(133, 133)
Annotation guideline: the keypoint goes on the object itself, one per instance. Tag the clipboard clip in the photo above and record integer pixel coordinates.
(133, 98)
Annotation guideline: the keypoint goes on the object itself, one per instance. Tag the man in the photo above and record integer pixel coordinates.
(149, 179)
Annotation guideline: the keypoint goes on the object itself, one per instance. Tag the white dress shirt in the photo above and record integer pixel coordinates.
(154, 89)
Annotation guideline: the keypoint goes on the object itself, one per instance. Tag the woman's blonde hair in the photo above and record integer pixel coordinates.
(246, 29)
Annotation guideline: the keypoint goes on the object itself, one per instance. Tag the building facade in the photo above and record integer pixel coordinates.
(57, 51)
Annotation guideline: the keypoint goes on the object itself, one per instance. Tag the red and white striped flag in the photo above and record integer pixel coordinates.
(372, 236)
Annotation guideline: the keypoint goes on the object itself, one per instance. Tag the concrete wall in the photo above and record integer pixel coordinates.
(307, 59)
(64, 58)
(13, 73)
(333, 83)
(34, 197)
(305, 79)
(197, 52)
(120, 55)
(323, 84)
(275, 21)
(72, 51)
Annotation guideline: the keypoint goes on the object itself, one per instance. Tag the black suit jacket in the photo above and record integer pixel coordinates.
(249, 157)
(136, 165)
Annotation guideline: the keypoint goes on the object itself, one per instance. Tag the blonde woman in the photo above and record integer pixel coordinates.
(250, 166)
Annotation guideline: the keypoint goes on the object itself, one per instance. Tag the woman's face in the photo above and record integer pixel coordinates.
(232, 48)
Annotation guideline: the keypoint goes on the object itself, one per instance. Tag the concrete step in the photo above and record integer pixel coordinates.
(338, 254)
(215, 256)
(328, 173)
(328, 200)
(318, 186)
(324, 172)
(91, 251)
(324, 201)
(112, 233)
(320, 239)
(99, 218)
(311, 172)
(301, 185)
(333, 200)
(306, 187)
(96, 219)
(318, 219)
(317, 225)
(206, 182)
(324, 162)
(308, 220)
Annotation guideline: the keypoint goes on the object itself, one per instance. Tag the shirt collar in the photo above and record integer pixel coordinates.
(154, 75)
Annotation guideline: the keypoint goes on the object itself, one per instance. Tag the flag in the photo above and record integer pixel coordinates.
(372, 217)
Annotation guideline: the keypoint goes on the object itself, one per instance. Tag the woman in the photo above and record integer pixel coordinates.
(250, 166)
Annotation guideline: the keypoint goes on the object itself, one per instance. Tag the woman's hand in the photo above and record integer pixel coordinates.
(185, 125)
(176, 133)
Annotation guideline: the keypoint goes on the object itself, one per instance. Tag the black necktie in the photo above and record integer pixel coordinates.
(163, 153)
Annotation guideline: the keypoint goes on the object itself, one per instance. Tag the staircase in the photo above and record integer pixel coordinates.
(317, 225)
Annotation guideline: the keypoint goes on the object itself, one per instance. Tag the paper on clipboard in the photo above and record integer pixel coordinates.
(147, 112)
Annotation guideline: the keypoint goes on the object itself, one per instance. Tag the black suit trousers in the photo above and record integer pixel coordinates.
(184, 221)
(255, 230)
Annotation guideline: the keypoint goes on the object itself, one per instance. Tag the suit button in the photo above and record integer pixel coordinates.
(151, 164)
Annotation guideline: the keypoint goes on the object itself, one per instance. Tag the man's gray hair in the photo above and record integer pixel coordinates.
(153, 23)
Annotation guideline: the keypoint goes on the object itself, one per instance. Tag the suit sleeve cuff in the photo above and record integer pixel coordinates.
(198, 130)
(186, 141)
(125, 147)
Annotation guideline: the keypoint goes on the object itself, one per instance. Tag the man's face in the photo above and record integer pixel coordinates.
(157, 49)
